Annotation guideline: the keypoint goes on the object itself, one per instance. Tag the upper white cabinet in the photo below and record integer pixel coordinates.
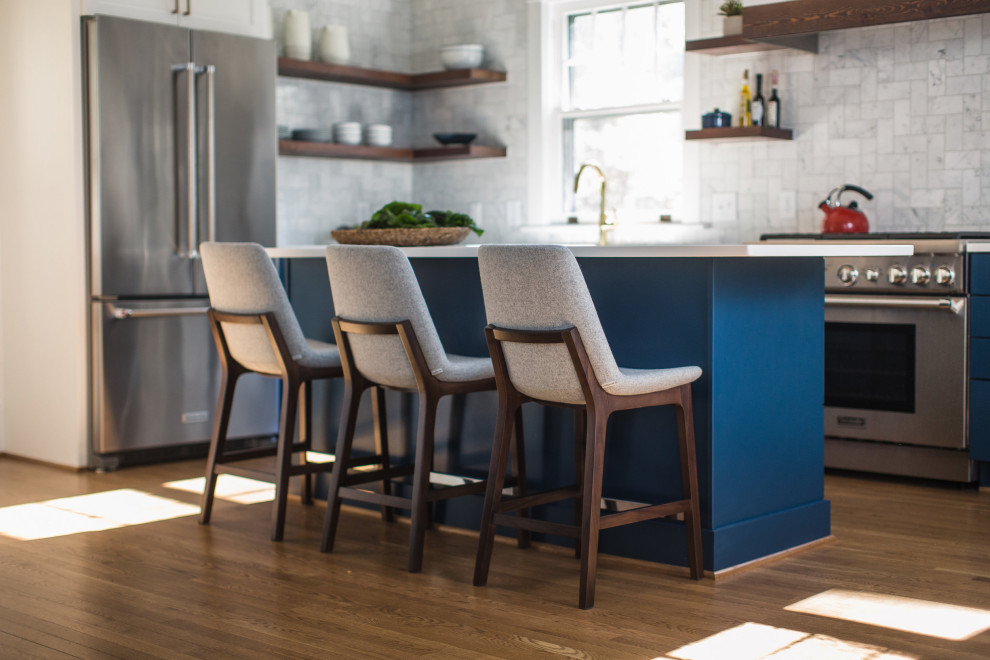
(250, 17)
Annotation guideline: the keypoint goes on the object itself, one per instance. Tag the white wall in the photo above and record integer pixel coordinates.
(42, 267)
(902, 110)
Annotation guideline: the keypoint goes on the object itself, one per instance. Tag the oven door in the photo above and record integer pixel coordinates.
(895, 369)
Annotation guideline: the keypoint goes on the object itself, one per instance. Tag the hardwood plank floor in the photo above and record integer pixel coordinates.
(175, 589)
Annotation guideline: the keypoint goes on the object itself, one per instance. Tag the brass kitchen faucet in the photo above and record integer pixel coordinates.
(605, 225)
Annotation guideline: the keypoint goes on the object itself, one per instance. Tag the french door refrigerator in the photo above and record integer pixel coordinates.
(181, 148)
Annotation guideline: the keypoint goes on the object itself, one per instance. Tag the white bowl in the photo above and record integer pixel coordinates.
(462, 56)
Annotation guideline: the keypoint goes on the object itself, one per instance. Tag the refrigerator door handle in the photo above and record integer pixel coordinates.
(192, 176)
(176, 10)
(210, 71)
(188, 11)
(129, 313)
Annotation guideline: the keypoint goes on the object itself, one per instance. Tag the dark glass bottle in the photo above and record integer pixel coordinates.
(773, 110)
(758, 105)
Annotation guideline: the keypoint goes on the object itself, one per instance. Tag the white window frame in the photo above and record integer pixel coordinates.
(547, 47)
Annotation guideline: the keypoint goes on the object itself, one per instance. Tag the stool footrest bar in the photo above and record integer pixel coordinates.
(375, 498)
(644, 513)
(536, 499)
(533, 525)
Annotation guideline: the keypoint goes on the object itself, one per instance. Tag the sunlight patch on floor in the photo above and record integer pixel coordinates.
(755, 641)
(923, 617)
(88, 513)
(230, 488)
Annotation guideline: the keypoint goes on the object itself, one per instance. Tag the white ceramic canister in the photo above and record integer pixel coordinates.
(334, 47)
(297, 34)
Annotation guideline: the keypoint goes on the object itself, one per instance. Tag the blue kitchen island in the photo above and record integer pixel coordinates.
(751, 316)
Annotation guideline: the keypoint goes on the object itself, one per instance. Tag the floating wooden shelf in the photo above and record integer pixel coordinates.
(457, 152)
(362, 152)
(389, 79)
(811, 16)
(796, 25)
(729, 45)
(741, 133)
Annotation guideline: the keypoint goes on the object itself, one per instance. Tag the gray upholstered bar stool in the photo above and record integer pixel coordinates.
(255, 330)
(548, 346)
(387, 340)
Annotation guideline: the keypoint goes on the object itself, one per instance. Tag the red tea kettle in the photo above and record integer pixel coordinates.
(841, 219)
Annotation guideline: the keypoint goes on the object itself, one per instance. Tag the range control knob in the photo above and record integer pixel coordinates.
(920, 276)
(944, 276)
(848, 275)
(896, 275)
(872, 274)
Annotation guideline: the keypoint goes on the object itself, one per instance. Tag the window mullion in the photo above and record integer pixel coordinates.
(620, 110)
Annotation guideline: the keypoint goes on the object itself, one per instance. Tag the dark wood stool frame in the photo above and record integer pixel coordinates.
(295, 377)
(430, 390)
(591, 420)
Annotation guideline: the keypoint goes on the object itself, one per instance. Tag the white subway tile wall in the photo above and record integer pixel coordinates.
(494, 188)
(317, 195)
(901, 110)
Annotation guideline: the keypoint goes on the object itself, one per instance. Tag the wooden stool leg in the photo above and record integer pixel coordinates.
(519, 470)
(591, 506)
(493, 491)
(305, 439)
(225, 401)
(689, 480)
(286, 436)
(380, 417)
(345, 438)
(421, 480)
(580, 433)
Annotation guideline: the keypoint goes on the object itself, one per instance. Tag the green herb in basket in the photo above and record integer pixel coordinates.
(451, 219)
(405, 214)
(398, 214)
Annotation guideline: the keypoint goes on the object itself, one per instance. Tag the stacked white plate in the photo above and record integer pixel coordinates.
(347, 132)
(378, 135)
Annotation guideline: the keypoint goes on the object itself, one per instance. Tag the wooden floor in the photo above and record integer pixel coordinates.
(174, 589)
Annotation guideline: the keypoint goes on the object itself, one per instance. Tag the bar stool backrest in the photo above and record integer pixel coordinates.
(541, 287)
(376, 284)
(241, 279)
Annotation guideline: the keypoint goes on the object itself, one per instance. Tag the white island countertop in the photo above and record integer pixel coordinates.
(819, 249)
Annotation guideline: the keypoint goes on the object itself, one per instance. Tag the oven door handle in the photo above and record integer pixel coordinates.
(954, 305)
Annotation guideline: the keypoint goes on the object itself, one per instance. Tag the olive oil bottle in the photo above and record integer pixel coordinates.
(744, 117)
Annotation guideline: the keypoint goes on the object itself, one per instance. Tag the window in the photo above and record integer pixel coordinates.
(615, 94)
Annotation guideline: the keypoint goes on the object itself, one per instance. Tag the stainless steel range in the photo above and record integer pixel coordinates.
(896, 356)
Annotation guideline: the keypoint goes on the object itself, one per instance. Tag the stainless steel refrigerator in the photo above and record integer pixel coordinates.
(181, 148)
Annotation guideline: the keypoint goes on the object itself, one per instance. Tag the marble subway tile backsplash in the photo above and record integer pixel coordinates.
(493, 190)
(901, 110)
(317, 195)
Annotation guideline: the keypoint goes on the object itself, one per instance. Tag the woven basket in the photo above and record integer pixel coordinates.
(402, 236)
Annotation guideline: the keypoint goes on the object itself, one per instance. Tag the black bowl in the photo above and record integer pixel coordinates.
(455, 138)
